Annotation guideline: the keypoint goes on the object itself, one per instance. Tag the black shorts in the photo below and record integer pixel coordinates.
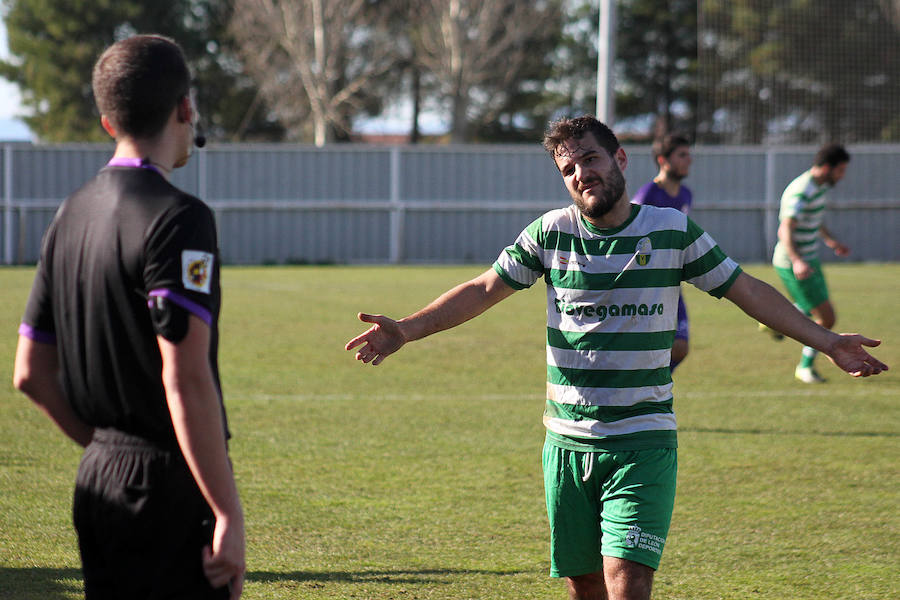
(141, 521)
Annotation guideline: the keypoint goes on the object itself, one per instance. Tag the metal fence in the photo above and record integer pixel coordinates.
(428, 204)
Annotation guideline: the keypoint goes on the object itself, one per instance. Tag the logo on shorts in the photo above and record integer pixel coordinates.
(633, 536)
(644, 248)
(638, 538)
(196, 270)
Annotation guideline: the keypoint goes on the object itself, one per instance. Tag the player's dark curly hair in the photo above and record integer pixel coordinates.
(138, 81)
(831, 155)
(666, 145)
(565, 129)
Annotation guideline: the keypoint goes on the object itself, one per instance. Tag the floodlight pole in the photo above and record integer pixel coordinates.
(606, 55)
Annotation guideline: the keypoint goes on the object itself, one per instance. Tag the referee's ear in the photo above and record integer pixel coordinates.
(108, 126)
(185, 110)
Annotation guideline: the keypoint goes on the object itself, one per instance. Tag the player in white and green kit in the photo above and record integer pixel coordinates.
(612, 271)
(796, 256)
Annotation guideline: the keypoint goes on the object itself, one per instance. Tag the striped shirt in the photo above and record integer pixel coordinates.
(612, 297)
(803, 201)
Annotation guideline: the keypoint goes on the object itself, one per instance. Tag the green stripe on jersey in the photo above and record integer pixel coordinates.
(563, 241)
(608, 378)
(519, 254)
(643, 278)
(618, 341)
(705, 263)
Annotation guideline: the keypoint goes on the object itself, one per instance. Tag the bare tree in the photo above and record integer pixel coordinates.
(317, 58)
(479, 52)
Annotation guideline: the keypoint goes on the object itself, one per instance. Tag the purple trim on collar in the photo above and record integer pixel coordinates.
(138, 163)
(185, 303)
(37, 335)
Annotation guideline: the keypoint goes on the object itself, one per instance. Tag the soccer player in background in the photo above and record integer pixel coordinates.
(613, 271)
(796, 255)
(118, 346)
(672, 155)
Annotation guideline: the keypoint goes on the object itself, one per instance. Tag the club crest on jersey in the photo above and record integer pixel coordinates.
(643, 250)
(196, 270)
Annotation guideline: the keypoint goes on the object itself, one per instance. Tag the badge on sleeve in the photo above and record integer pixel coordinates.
(196, 270)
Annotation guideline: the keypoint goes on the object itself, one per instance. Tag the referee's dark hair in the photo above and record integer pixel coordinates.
(831, 155)
(138, 81)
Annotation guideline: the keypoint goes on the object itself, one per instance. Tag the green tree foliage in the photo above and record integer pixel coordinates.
(795, 71)
(654, 76)
(489, 61)
(656, 48)
(319, 63)
(54, 43)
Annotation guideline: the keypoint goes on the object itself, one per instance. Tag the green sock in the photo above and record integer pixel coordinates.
(807, 356)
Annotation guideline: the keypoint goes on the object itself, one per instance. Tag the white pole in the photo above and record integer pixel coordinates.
(8, 205)
(606, 55)
(397, 210)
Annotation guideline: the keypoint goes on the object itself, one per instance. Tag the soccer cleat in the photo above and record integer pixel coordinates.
(808, 375)
(776, 335)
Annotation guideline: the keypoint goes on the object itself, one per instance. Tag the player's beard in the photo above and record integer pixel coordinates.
(613, 186)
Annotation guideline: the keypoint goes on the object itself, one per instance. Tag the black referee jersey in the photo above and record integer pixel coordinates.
(125, 239)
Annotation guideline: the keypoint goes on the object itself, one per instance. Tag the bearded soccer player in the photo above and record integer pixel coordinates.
(613, 271)
(119, 347)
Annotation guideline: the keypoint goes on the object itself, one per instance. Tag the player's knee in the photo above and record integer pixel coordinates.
(586, 587)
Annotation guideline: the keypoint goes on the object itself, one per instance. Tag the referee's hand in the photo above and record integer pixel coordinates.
(223, 563)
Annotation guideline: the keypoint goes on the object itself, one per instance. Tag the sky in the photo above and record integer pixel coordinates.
(11, 127)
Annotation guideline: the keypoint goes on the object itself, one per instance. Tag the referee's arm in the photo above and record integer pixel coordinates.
(197, 417)
(36, 374)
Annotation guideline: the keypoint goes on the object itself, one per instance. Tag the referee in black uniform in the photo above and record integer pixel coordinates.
(119, 342)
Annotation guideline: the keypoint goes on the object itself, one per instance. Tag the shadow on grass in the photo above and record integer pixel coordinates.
(392, 576)
(861, 434)
(39, 583)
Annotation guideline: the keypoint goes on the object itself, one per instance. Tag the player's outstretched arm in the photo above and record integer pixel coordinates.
(765, 304)
(454, 307)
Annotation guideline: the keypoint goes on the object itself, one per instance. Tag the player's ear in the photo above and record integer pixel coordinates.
(621, 158)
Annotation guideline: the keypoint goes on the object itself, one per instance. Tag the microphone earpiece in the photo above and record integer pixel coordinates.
(199, 138)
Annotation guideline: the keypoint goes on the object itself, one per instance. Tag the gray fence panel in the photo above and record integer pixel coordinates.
(369, 204)
(489, 173)
(299, 236)
(473, 236)
(53, 172)
(360, 173)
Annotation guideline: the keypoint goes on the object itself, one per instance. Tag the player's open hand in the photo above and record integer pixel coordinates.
(848, 354)
(841, 250)
(379, 341)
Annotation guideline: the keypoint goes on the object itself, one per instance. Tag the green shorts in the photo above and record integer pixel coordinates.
(607, 504)
(806, 293)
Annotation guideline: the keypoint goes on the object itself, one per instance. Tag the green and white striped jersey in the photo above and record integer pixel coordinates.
(804, 201)
(612, 298)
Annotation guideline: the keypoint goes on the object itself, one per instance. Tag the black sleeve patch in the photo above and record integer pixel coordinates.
(169, 319)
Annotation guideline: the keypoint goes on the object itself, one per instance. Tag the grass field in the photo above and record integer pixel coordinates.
(421, 478)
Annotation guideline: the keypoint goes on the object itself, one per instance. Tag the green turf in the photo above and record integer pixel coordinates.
(421, 478)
